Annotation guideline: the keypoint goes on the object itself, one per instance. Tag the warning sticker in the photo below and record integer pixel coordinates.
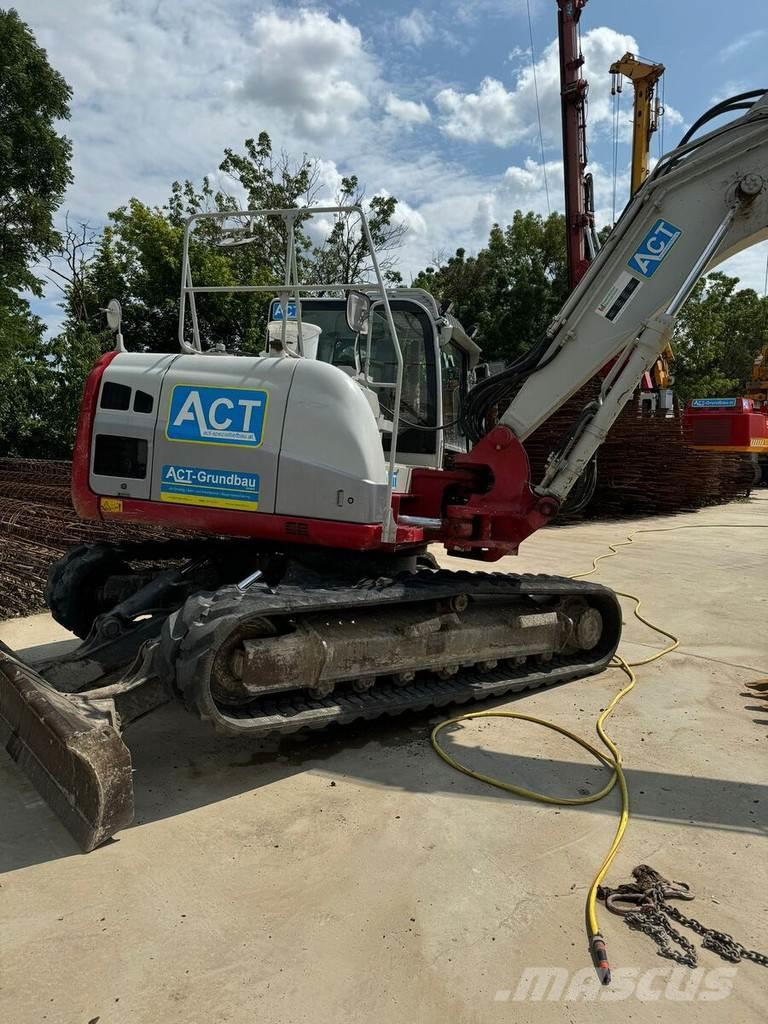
(618, 296)
(214, 488)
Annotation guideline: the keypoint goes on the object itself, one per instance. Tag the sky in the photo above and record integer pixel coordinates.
(432, 102)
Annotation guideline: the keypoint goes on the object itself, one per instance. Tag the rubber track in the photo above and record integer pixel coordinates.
(195, 633)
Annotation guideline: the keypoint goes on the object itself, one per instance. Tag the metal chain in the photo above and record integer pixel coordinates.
(650, 891)
(655, 924)
(719, 942)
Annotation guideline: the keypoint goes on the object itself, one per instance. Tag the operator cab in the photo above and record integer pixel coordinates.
(439, 360)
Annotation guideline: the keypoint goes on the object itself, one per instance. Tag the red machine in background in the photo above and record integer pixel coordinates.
(726, 425)
(734, 424)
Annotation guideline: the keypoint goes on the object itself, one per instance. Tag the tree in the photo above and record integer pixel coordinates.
(34, 157)
(138, 259)
(512, 288)
(34, 174)
(270, 182)
(139, 255)
(719, 331)
(344, 255)
(28, 386)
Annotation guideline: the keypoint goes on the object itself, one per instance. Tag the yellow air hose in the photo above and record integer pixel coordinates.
(612, 759)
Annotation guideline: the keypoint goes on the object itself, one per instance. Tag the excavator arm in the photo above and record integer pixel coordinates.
(705, 201)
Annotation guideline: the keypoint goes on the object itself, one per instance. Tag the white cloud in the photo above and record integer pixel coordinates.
(529, 179)
(504, 116)
(488, 115)
(749, 266)
(518, 54)
(485, 215)
(742, 43)
(731, 87)
(408, 111)
(328, 176)
(161, 88)
(472, 11)
(311, 67)
(411, 219)
(414, 28)
(459, 207)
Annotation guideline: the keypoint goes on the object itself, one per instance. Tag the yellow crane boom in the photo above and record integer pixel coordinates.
(646, 112)
(644, 76)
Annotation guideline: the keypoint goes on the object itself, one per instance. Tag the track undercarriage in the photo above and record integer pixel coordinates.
(299, 644)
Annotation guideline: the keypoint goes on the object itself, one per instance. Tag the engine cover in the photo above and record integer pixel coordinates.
(275, 435)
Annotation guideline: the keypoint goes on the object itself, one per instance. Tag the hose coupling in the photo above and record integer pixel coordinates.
(600, 958)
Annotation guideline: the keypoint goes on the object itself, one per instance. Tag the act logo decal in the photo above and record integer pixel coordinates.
(216, 488)
(713, 403)
(654, 248)
(216, 415)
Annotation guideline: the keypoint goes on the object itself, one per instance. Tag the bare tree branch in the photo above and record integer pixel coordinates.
(67, 266)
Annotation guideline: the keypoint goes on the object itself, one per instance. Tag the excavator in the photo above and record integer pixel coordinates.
(299, 490)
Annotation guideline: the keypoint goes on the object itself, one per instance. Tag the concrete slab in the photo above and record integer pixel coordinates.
(354, 876)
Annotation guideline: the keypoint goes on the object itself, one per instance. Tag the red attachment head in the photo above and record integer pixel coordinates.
(485, 502)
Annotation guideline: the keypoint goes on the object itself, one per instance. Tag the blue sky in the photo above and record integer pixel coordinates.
(430, 102)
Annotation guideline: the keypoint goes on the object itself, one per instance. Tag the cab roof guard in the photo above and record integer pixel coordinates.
(291, 286)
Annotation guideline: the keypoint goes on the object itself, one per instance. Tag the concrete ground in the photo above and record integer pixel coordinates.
(355, 877)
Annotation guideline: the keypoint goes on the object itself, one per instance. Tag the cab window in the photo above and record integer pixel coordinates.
(415, 333)
(454, 380)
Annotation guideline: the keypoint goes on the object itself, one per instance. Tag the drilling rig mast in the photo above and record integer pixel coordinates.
(579, 205)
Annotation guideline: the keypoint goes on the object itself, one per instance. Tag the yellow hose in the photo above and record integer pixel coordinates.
(612, 759)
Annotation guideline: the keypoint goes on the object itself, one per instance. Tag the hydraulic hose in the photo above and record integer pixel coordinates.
(610, 756)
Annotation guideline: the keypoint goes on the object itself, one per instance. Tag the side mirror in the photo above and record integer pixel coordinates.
(482, 372)
(114, 316)
(358, 312)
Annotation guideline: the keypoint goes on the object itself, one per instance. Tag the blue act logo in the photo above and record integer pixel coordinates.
(654, 248)
(206, 415)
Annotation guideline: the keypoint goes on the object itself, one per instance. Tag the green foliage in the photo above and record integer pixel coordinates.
(34, 158)
(510, 291)
(34, 174)
(512, 288)
(718, 334)
(270, 183)
(28, 389)
(138, 259)
(517, 283)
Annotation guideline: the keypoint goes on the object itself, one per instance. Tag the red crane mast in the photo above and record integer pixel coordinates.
(579, 217)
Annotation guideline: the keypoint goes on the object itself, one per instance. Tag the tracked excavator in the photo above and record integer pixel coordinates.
(306, 483)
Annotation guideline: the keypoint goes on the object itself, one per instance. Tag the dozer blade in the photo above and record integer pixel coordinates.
(69, 750)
